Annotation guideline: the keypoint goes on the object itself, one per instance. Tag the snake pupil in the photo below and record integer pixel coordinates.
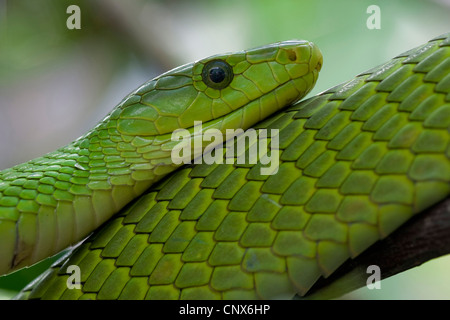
(217, 74)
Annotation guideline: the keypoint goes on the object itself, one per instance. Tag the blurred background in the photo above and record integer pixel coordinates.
(56, 83)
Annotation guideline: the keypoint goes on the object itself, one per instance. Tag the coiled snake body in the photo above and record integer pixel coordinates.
(356, 161)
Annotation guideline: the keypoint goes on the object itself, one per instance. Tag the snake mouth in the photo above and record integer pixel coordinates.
(319, 65)
(260, 108)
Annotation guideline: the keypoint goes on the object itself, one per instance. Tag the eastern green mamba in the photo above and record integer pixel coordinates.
(54, 201)
(356, 162)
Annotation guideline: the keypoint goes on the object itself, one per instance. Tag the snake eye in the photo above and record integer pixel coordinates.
(217, 74)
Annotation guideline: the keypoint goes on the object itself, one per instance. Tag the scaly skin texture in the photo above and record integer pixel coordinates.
(356, 162)
(54, 201)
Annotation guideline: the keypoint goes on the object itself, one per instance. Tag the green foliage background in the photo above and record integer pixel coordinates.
(56, 83)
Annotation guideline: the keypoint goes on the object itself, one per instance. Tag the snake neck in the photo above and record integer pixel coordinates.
(56, 200)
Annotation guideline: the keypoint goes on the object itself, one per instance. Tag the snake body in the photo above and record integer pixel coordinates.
(356, 162)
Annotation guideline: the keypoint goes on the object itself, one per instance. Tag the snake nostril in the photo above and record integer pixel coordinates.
(291, 55)
(319, 65)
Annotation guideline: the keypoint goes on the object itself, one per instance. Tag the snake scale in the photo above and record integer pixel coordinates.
(356, 162)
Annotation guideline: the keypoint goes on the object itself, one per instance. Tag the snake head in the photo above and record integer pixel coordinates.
(227, 91)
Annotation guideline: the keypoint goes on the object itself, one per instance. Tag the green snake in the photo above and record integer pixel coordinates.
(356, 162)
